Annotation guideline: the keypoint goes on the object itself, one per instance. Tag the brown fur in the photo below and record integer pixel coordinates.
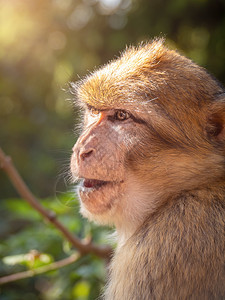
(166, 171)
(177, 253)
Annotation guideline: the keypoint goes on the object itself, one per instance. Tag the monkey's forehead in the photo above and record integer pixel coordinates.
(123, 80)
(144, 73)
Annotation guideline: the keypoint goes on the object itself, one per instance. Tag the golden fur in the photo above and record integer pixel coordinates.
(166, 171)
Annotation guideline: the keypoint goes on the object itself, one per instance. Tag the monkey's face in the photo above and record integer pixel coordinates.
(126, 160)
(99, 161)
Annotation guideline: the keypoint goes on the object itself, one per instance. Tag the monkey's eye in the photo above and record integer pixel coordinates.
(121, 115)
(94, 111)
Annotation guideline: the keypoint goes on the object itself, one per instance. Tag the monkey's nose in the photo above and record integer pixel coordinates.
(86, 153)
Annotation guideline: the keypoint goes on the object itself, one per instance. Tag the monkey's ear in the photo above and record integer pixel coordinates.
(216, 121)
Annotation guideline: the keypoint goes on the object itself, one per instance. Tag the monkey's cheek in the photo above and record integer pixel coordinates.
(100, 201)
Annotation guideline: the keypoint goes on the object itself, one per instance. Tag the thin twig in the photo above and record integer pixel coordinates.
(30, 273)
(84, 248)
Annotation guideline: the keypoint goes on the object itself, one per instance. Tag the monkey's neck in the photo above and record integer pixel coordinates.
(134, 209)
(126, 227)
(124, 235)
(127, 224)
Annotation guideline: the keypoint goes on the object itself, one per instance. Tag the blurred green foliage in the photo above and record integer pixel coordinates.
(28, 243)
(45, 44)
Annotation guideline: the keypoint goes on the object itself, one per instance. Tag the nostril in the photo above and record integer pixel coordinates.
(86, 154)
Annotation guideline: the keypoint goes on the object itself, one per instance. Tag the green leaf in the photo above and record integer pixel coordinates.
(81, 290)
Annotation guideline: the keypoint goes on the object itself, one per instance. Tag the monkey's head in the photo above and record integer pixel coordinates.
(153, 127)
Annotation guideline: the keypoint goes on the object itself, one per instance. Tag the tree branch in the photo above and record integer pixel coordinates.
(84, 248)
(30, 273)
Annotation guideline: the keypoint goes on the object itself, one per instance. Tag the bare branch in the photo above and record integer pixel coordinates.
(30, 273)
(84, 248)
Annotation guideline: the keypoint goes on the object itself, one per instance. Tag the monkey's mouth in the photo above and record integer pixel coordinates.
(91, 185)
(99, 196)
(94, 183)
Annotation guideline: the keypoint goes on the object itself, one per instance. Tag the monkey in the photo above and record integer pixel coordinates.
(151, 162)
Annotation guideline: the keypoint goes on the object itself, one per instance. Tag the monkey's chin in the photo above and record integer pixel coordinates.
(99, 198)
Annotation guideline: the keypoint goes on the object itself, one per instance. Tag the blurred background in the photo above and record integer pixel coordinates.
(44, 45)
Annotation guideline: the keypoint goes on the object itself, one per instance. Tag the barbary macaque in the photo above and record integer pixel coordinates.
(151, 162)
